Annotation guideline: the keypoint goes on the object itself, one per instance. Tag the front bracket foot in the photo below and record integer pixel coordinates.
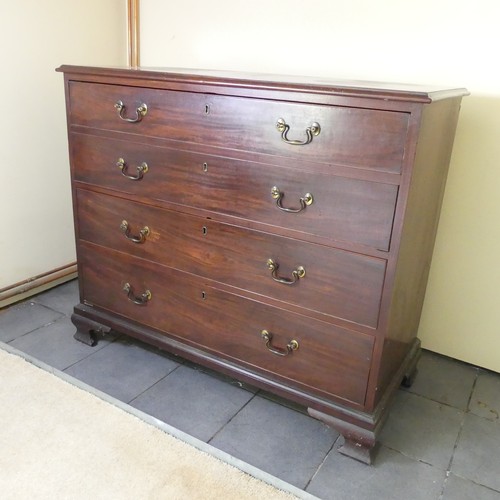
(359, 443)
(354, 449)
(88, 331)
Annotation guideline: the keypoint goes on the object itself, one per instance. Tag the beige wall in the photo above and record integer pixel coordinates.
(36, 228)
(451, 42)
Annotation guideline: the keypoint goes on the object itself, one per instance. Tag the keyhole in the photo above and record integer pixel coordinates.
(207, 109)
(204, 230)
(203, 295)
(205, 167)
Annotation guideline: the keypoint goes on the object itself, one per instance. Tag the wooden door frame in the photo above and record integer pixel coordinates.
(133, 33)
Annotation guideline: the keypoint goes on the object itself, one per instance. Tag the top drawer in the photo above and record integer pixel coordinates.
(364, 138)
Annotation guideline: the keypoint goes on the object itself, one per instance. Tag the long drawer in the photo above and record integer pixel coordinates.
(328, 280)
(247, 124)
(342, 209)
(329, 360)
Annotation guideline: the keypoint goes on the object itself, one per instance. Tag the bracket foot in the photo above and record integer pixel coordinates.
(88, 331)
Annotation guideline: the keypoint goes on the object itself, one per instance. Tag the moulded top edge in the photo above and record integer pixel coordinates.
(356, 88)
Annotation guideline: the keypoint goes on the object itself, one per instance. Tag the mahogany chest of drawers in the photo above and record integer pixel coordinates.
(277, 230)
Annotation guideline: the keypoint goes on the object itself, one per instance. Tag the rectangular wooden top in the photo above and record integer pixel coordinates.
(350, 88)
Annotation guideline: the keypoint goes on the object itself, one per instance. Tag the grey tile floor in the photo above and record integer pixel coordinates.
(441, 440)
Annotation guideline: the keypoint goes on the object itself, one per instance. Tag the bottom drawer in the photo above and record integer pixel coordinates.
(328, 361)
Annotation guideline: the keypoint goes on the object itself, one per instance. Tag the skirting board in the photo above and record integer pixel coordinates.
(36, 284)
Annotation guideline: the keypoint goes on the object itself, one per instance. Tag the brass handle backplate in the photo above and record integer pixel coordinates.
(297, 273)
(141, 170)
(140, 112)
(143, 233)
(278, 195)
(312, 131)
(136, 299)
(293, 345)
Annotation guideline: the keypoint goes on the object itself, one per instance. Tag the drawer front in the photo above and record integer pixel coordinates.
(335, 282)
(329, 361)
(343, 209)
(364, 138)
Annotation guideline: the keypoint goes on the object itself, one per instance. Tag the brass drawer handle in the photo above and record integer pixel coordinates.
(143, 233)
(293, 345)
(141, 170)
(297, 273)
(311, 132)
(140, 112)
(139, 300)
(305, 201)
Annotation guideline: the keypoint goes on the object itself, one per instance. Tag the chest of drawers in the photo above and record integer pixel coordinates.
(277, 230)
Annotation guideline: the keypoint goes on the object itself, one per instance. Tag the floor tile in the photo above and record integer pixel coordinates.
(61, 298)
(277, 439)
(24, 317)
(123, 369)
(422, 429)
(221, 376)
(485, 401)
(54, 344)
(444, 380)
(477, 456)
(459, 489)
(193, 401)
(392, 477)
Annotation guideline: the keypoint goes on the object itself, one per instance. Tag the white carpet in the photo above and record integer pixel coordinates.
(58, 441)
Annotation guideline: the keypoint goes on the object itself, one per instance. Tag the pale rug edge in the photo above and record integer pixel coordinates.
(176, 433)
